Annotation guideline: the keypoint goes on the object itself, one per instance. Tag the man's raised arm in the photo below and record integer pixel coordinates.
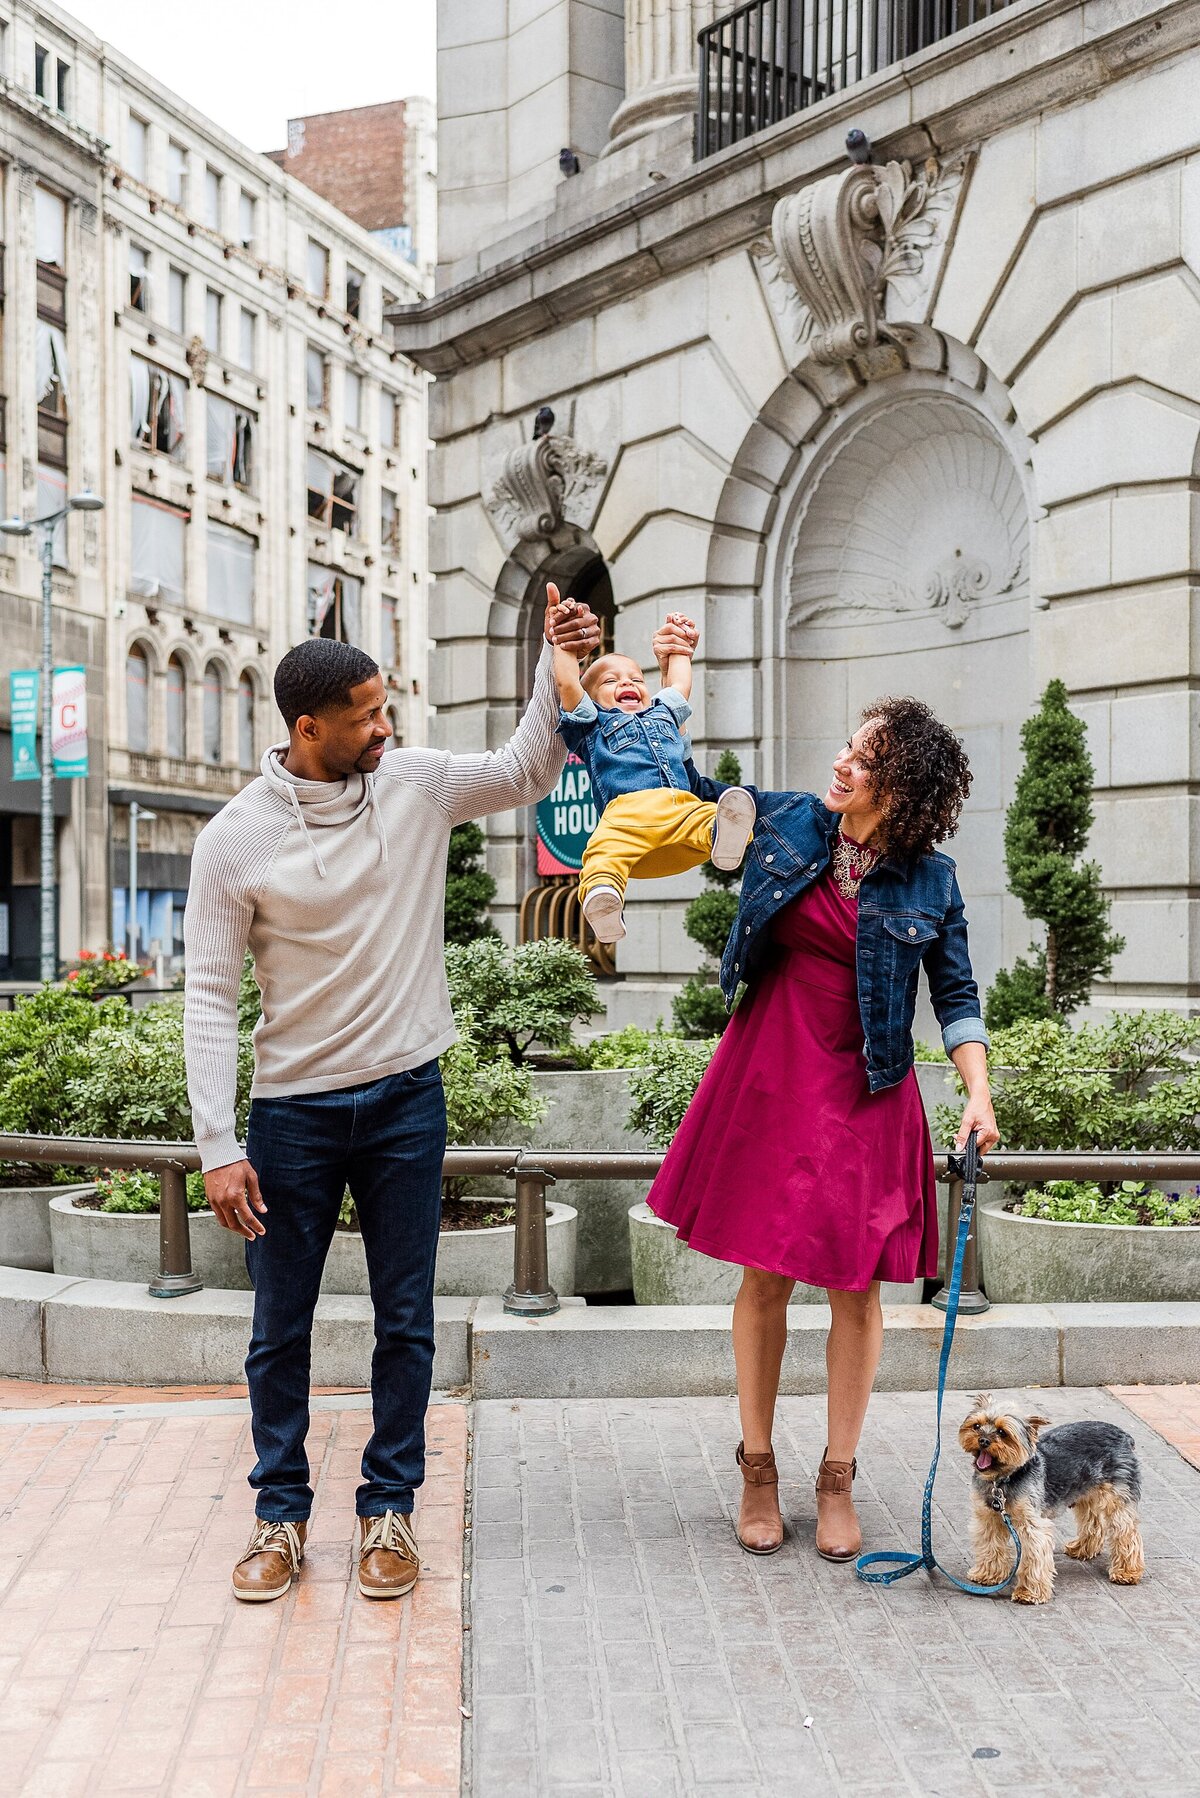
(527, 766)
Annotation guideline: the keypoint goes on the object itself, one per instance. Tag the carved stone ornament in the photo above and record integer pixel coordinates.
(543, 485)
(856, 251)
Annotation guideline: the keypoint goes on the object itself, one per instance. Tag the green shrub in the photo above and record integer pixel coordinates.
(249, 1002)
(663, 1089)
(484, 1096)
(106, 972)
(628, 1048)
(516, 997)
(709, 919)
(1132, 1202)
(1017, 992)
(470, 889)
(135, 1084)
(1089, 1088)
(699, 1009)
(928, 1051)
(130, 1190)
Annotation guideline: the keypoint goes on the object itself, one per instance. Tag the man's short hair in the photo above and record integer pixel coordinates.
(317, 675)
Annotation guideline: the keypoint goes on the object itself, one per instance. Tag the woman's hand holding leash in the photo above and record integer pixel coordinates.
(971, 1061)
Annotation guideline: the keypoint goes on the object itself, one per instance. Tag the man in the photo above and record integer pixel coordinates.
(331, 870)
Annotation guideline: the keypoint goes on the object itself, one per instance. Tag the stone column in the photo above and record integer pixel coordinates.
(661, 65)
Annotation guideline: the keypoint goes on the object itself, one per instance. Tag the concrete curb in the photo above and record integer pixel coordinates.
(53, 1327)
(56, 1328)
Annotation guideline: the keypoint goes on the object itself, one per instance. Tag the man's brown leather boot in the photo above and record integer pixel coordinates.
(271, 1562)
(388, 1559)
(839, 1537)
(760, 1526)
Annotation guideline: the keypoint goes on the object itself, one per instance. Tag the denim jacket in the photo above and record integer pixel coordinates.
(908, 914)
(627, 752)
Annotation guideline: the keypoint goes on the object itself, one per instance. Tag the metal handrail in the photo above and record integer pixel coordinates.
(533, 1170)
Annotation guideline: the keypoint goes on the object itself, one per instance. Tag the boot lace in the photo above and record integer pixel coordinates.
(392, 1531)
(281, 1538)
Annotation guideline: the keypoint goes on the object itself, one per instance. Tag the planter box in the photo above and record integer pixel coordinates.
(667, 1272)
(1030, 1261)
(25, 1224)
(588, 1110)
(102, 1245)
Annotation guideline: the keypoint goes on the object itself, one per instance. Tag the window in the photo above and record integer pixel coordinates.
(352, 398)
(139, 278)
(62, 84)
(247, 338)
(177, 164)
(354, 287)
(231, 558)
(389, 522)
(53, 394)
(176, 709)
(50, 236)
(388, 651)
(229, 448)
(389, 421)
(158, 408)
(41, 72)
(245, 721)
(214, 699)
(157, 534)
(52, 497)
(137, 141)
(334, 604)
(212, 199)
(317, 267)
(332, 492)
(177, 301)
(212, 320)
(137, 696)
(247, 219)
(316, 378)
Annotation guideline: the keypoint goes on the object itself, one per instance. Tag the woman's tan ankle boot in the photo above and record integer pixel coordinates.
(760, 1526)
(839, 1537)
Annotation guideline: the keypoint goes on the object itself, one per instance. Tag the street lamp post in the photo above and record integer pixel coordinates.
(23, 527)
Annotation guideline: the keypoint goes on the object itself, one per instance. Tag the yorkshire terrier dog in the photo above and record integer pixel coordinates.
(1030, 1471)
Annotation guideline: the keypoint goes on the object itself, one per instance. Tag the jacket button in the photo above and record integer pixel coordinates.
(812, 867)
(912, 930)
(768, 858)
(736, 966)
(747, 930)
(777, 894)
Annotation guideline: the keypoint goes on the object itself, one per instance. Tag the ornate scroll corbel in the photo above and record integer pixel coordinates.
(544, 484)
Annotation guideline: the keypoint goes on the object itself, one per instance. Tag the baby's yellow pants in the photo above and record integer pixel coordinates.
(645, 836)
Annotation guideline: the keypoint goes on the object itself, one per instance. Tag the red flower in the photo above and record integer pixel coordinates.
(87, 955)
(74, 974)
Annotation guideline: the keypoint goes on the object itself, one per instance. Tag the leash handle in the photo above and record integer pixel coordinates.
(888, 1566)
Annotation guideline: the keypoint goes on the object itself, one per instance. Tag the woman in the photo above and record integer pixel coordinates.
(805, 1154)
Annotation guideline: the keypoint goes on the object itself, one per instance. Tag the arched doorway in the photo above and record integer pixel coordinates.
(901, 564)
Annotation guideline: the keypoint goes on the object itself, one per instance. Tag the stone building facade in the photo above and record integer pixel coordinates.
(208, 344)
(928, 422)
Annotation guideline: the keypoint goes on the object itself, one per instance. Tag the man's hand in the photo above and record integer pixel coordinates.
(677, 637)
(234, 1196)
(570, 625)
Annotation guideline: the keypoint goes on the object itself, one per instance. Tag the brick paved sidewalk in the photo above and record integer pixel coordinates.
(126, 1666)
(622, 1644)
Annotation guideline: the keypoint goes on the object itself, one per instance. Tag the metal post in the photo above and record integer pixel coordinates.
(175, 1276)
(971, 1301)
(531, 1294)
(131, 916)
(49, 956)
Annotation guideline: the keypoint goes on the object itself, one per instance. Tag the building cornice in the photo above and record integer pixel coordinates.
(1035, 55)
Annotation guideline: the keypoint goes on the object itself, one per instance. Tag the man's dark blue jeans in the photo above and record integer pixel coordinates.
(384, 1141)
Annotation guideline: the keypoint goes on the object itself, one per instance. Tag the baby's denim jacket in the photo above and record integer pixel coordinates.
(630, 752)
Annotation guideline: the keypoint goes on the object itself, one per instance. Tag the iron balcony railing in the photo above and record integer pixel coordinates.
(533, 1170)
(768, 59)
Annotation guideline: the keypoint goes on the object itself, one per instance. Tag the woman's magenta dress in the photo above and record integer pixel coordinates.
(785, 1159)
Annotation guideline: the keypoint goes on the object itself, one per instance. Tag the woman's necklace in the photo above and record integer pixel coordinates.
(851, 862)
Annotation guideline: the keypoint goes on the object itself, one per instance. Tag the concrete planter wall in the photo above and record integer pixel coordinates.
(101, 1245)
(25, 1224)
(1027, 1260)
(667, 1272)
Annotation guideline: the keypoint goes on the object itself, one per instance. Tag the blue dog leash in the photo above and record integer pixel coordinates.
(890, 1567)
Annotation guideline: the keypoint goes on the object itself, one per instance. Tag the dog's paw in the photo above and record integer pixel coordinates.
(1125, 1576)
(1080, 1550)
(1027, 1595)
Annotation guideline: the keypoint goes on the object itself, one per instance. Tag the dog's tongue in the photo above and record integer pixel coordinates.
(983, 1459)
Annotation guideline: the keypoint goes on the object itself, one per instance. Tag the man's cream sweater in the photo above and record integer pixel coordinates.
(337, 890)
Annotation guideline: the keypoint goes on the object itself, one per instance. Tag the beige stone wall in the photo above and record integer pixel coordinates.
(1058, 309)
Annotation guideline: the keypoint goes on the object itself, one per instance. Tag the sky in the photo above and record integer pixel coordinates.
(250, 65)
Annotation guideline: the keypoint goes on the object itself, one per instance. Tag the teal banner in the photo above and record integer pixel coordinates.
(23, 692)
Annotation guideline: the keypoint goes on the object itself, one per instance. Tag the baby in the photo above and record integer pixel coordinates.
(634, 748)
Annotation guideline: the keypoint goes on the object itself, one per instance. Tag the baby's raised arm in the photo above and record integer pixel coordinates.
(674, 646)
(566, 665)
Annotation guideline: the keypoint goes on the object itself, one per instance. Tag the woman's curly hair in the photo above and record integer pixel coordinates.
(918, 773)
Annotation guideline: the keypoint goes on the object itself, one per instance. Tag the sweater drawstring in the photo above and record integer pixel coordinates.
(299, 811)
(375, 812)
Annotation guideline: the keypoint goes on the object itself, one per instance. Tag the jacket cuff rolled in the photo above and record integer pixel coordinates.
(220, 1151)
(965, 1030)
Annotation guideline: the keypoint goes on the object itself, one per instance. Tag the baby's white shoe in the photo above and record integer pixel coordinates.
(733, 827)
(602, 909)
